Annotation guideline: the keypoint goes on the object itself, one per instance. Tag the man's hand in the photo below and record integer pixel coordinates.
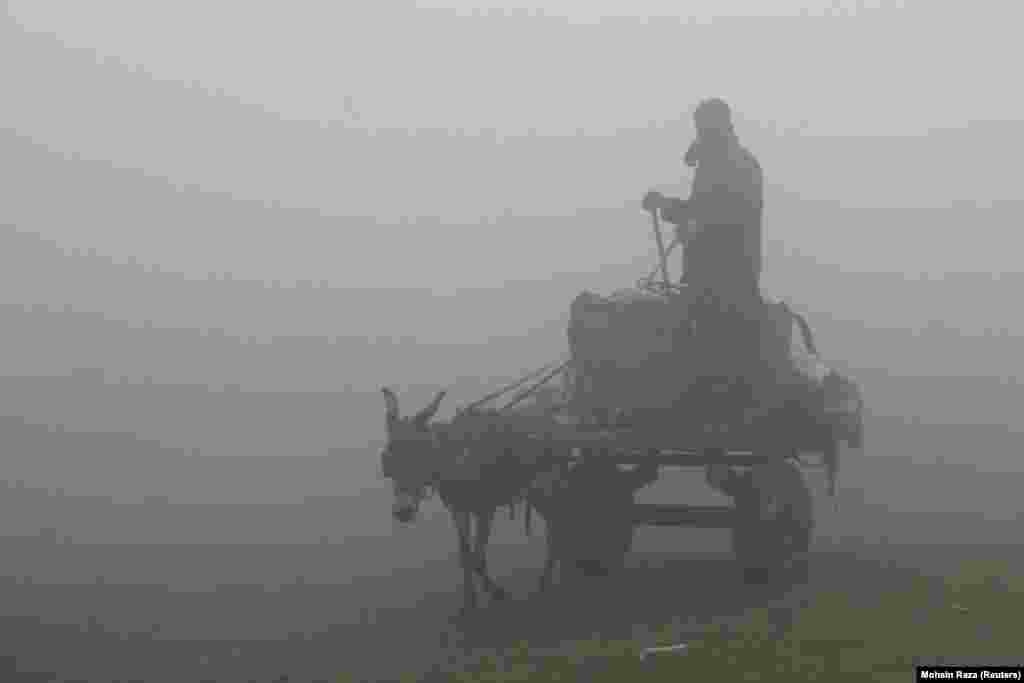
(653, 201)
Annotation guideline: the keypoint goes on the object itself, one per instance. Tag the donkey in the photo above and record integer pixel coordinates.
(471, 484)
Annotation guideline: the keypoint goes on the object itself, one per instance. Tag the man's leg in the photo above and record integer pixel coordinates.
(734, 335)
(748, 316)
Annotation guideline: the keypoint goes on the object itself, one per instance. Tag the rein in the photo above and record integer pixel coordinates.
(532, 389)
(805, 332)
(472, 407)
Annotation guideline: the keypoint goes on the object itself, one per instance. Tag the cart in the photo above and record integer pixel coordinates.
(638, 390)
(650, 383)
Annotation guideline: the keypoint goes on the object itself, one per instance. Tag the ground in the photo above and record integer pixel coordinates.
(376, 601)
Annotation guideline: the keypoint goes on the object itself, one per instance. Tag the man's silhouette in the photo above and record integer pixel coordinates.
(723, 254)
(726, 202)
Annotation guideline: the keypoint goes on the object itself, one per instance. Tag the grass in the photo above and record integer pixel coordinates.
(970, 618)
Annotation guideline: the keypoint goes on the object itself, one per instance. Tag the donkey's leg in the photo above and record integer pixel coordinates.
(484, 525)
(547, 500)
(555, 540)
(549, 561)
(462, 528)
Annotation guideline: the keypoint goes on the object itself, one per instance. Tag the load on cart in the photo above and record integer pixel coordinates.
(701, 372)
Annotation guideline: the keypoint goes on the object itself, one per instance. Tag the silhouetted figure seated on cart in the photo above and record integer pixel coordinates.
(723, 251)
(720, 226)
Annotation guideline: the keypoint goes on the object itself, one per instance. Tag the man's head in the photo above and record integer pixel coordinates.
(712, 116)
(713, 120)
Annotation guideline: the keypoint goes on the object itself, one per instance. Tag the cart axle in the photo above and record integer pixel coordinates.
(698, 516)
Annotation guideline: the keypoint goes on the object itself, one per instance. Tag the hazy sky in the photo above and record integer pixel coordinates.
(849, 67)
(347, 108)
(403, 131)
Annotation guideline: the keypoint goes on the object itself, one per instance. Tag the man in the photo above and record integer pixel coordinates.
(723, 255)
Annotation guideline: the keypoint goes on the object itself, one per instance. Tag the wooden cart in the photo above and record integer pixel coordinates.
(754, 456)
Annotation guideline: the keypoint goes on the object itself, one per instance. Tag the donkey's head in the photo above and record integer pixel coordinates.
(406, 458)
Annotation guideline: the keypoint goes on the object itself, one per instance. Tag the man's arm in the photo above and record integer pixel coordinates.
(669, 208)
(672, 210)
(728, 191)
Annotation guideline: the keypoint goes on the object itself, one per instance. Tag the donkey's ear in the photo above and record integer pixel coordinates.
(425, 415)
(392, 404)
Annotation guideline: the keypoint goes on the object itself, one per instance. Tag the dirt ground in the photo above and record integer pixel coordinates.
(380, 604)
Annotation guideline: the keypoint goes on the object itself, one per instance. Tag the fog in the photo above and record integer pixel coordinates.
(375, 121)
(224, 226)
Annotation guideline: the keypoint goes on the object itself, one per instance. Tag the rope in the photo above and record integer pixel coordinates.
(518, 399)
(663, 288)
(504, 390)
(805, 332)
(662, 254)
(668, 252)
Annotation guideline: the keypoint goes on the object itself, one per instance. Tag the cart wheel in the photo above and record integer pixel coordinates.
(775, 521)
